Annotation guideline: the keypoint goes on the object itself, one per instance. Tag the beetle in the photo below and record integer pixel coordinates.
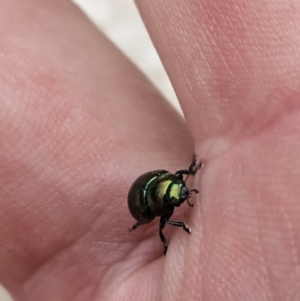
(157, 193)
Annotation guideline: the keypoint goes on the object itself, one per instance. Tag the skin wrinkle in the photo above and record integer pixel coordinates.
(194, 257)
(266, 270)
(273, 287)
(53, 256)
(131, 268)
(233, 272)
(294, 252)
(171, 283)
(172, 292)
(250, 132)
(94, 271)
(223, 270)
(46, 159)
(79, 290)
(289, 224)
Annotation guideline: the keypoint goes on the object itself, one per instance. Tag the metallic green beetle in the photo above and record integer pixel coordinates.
(157, 193)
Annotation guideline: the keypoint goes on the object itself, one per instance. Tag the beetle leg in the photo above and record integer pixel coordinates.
(163, 221)
(133, 227)
(182, 172)
(193, 168)
(188, 171)
(162, 224)
(180, 224)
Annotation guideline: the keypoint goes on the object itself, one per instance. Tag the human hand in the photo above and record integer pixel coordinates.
(78, 124)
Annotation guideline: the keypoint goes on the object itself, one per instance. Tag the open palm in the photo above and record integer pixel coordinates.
(79, 123)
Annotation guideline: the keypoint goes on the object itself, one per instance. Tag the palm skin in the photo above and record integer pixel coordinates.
(78, 124)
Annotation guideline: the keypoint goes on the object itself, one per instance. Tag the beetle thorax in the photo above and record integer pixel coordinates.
(171, 192)
(175, 191)
(162, 189)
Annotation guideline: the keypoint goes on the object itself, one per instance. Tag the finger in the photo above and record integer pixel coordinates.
(78, 124)
(234, 64)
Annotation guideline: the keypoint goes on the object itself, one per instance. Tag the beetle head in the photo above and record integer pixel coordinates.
(185, 194)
